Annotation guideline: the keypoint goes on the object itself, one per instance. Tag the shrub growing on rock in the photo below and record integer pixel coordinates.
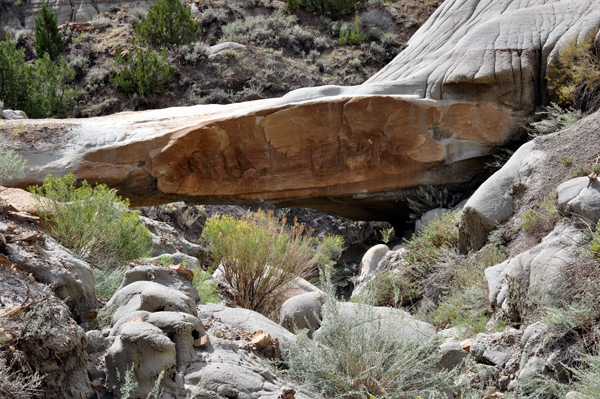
(169, 22)
(12, 165)
(92, 221)
(16, 384)
(260, 256)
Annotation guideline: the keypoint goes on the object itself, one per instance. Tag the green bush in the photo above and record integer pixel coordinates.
(403, 282)
(588, 377)
(464, 303)
(575, 71)
(50, 94)
(207, 288)
(142, 71)
(169, 22)
(48, 39)
(260, 256)
(92, 221)
(360, 358)
(353, 34)
(336, 9)
(41, 90)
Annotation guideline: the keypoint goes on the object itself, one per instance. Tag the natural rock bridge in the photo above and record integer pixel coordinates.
(465, 84)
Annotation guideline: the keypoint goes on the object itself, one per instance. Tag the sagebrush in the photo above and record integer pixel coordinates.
(260, 255)
(92, 221)
(359, 357)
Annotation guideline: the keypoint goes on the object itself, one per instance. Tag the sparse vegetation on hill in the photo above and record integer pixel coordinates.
(284, 50)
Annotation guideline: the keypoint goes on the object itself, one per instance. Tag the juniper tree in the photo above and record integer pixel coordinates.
(48, 39)
(169, 22)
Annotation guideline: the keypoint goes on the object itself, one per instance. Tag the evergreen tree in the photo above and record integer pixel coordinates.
(169, 22)
(15, 75)
(48, 39)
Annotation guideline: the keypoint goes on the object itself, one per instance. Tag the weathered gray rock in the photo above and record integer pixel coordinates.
(176, 258)
(161, 275)
(51, 342)
(452, 355)
(147, 351)
(538, 358)
(14, 115)
(393, 321)
(166, 240)
(70, 277)
(245, 319)
(97, 342)
(219, 48)
(302, 312)
(574, 395)
(484, 349)
(494, 200)
(392, 260)
(580, 196)
(513, 283)
(151, 297)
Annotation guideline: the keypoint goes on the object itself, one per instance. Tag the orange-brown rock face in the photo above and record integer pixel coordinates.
(354, 156)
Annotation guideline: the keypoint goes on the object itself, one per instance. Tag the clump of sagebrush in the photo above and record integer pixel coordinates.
(538, 387)
(14, 383)
(129, 389)
(277, 31)
(539, 223)
(427, 198)
(458, 290)
(107, 282)
(554, 119)
(403, 280)
(12, 165)
(574, 77)
(92, 221)
(206, 286)
(260, 255)
(587, 376)
(352, 33)
(364, 357)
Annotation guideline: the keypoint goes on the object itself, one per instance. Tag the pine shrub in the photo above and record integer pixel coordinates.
(41, 90)
(169, 22)
(142, 71)
(92, 221)
(335, 9)
(428, 198)
(48, 39)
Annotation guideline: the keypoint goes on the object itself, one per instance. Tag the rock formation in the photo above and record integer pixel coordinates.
(464, 85)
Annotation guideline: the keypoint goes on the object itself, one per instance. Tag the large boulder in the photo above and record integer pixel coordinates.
(70, 277)
(580, 196)
(302, 312)
(42, 336)
(531, 174)
(514, 282)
